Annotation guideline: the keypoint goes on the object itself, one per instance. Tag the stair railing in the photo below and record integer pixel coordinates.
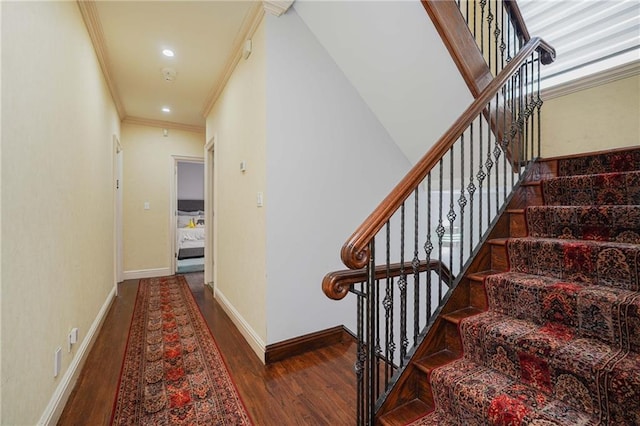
(438, 215)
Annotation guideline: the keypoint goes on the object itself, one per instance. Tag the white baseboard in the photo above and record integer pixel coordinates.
(258, 346)
(59, 398)
(146, 273)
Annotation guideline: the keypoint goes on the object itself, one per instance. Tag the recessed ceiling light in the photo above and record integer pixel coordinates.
(166, 109)
(168, 52)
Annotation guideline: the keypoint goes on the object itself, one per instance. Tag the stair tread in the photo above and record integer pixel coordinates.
(460, 314)
(438, 359)
(481, 275)
(578, 298)
(498, 241)
(406, 413)
(515, 211)
(549, 349)
(489, 388)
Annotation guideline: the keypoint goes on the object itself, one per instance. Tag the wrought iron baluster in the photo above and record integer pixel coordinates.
(428, 245)
(402, 285)
(483, 3)
(416, 272)
(440, 229)
(488, 163)
(480, 176)
(462, 201)
(451, 215)
(503, 45)
(359, 366)
(538, 104)
(505, 141)
(496, 150)
(532, 108)
(370, 363)
(489, 22)
(471, 188)
(387, 303)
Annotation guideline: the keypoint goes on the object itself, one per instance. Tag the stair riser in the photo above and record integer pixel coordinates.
(517, 225)
(609, 315)
(603, 223)
(607, 189)
(610, 264)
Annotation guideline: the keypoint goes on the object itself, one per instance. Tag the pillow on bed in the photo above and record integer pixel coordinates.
(183, 221)
(186, 213)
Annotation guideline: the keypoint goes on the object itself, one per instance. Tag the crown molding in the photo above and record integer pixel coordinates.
(163, 124)
(276, 7)
(91, 19)
(249, 26)
(597, 79)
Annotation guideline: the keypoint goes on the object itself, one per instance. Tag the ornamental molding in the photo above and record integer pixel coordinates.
(277, 7)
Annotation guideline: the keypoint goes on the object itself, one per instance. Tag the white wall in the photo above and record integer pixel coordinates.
(190, 181)
(57, 199)
(329, 163)
(392, 54)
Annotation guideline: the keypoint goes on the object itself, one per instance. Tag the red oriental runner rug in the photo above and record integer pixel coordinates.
(172, 371)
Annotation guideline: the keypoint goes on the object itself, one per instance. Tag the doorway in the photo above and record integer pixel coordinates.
(210, 251)
(117, 214)
(188, 216)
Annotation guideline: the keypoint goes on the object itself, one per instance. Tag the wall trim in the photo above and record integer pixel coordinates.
(60, 396)
(89, 13)
(277, 7)
(245, 329)
(163, 124)
(309, 342)
(593, 80)
(249, 26)
(146, 273)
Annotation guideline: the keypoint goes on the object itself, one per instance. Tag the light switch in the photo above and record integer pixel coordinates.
(146, 205)
(260, 199)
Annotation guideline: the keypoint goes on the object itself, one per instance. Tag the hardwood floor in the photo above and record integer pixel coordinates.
(316, 388)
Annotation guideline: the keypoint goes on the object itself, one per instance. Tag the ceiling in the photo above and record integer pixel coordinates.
(207, 38)
(130, 36)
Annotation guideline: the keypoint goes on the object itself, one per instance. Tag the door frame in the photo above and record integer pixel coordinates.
(117, 211)
(211, 221)
(173, 206)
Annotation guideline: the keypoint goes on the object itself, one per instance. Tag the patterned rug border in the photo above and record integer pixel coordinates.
(183, 281)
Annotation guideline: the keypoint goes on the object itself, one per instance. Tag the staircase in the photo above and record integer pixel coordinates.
(559, 342)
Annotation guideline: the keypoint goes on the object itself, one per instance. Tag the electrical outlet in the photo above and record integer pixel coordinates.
(57, 361)
(72, 338)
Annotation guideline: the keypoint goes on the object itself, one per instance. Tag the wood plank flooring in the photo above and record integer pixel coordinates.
(316, 388)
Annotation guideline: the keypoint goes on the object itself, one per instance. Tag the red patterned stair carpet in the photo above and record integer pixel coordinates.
(173, 372)
(560, 342)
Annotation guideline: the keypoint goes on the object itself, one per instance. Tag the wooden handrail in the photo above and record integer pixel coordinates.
(354, 252)
(336, 284)
(514, 11)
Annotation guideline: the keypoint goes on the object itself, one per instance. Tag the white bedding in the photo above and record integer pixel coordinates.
(191, 237)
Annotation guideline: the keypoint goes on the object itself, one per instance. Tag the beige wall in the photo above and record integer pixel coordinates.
(237, 121)
(57, 198)
(147, 176)
(603, 117)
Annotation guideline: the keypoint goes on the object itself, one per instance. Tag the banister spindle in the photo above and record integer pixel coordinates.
(462, 201)
(402, 285)
(387, 303)
(416, 271)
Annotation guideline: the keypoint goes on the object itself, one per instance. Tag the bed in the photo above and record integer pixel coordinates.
(190, 235)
